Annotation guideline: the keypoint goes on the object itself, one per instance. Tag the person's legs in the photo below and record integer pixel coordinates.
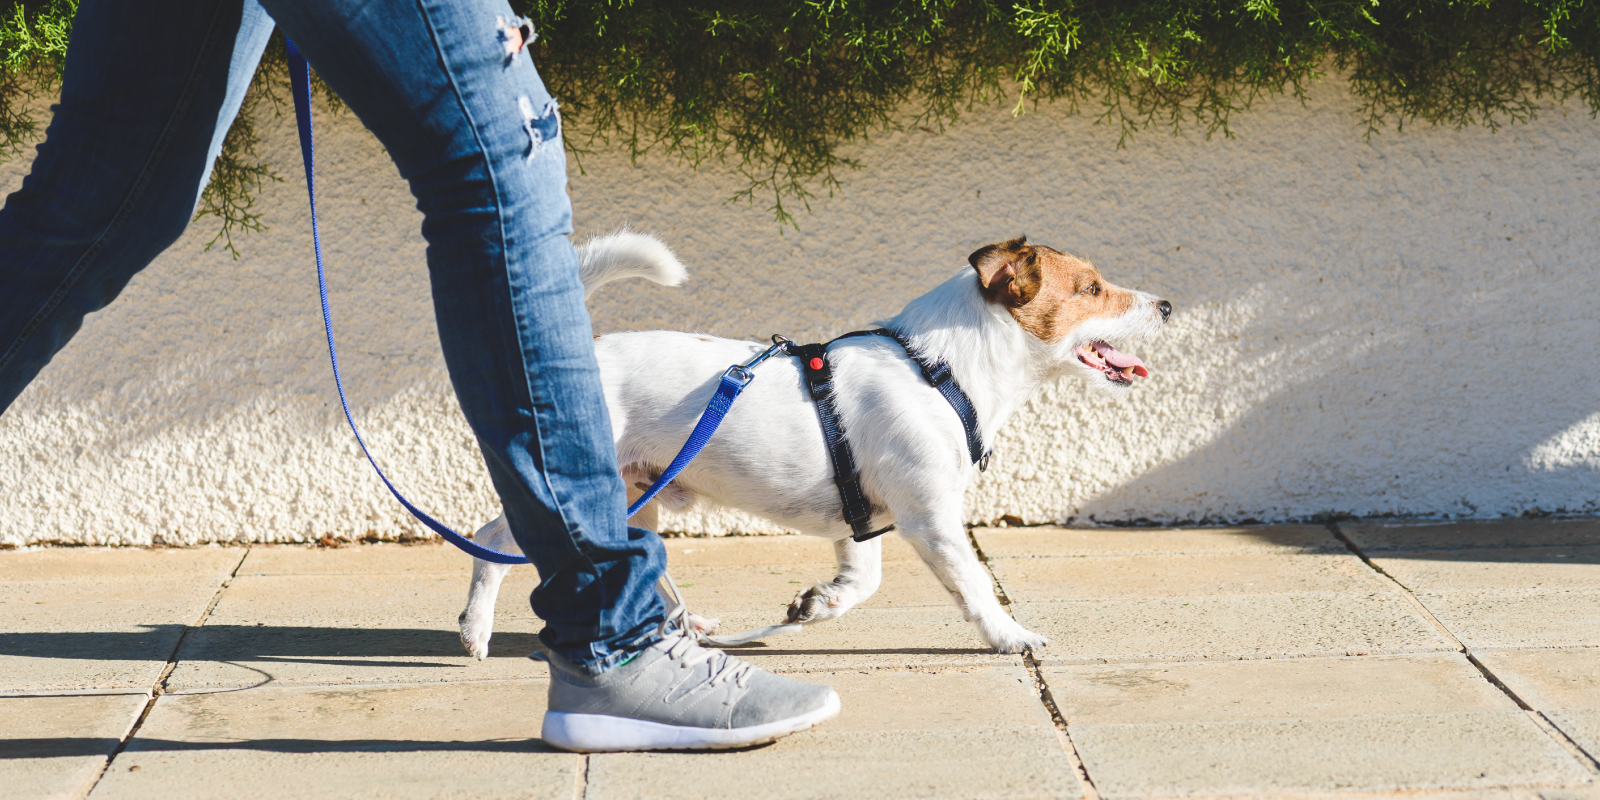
(473, 130)
(150, 90)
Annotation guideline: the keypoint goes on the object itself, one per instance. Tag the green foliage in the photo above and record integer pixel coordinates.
(238, 175)
(33, 48)
(779, 88)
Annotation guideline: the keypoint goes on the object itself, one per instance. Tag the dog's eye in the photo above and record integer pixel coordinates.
(1093, 290)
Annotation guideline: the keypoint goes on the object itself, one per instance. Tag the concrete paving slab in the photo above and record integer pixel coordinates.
(790, 549)
(73, 563)
(1581, 725)
(445, 740)
(930, 636)
(1264, 757)
(1053, 541)
(1445, 794)
(1518, 619)
(90, 619)
(935, 699)
(928, 765)
(1375, 537)
(1562, 684)
(337, 629)
(1301, 725)
(1479, 569)
(1185, 576)
(978, 733)
(1227, 627)
(1181, 714)
(769, 588)
(1574, 793)
(96, 632)
(53, 747)
(1498, 793)
(1301, 688)
(1549, 680)
(384, 558)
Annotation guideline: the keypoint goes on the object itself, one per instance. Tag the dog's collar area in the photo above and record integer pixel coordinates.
(819, 382)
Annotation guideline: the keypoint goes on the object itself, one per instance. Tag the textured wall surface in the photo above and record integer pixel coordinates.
(1404, 325)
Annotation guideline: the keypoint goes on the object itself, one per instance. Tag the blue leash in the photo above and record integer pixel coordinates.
(733, 381)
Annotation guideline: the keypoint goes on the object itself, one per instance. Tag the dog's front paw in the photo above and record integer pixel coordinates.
(821, 602)
(1015, 639)
(475, 636)
(702, 625)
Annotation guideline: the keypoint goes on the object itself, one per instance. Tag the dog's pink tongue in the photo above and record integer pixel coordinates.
(1121, 360)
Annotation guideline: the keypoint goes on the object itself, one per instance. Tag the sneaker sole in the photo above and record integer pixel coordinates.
(599, 733)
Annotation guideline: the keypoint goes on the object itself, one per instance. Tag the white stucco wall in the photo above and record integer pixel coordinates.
(1400, 326)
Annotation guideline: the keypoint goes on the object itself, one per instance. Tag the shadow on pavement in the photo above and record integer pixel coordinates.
(333, 646)
(260, 643)
(64, 747)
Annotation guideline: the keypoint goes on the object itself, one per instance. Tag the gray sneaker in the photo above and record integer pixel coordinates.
(677, 695)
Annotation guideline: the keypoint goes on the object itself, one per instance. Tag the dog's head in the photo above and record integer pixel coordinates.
(1065, 303)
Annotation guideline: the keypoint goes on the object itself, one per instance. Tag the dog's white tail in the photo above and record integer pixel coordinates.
(626, 254)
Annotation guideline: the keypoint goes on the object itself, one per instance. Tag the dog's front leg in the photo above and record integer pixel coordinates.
(860, 573)
(945, 549)
(477, 620)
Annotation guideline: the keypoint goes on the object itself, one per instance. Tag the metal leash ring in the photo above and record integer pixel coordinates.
(743, 371)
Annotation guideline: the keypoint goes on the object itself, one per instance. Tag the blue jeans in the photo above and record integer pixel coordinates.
(151, 87)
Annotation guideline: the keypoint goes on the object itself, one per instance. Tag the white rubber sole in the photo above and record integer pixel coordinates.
(598, 733)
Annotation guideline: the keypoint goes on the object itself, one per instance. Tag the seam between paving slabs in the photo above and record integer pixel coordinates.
(158, 688)
(1090, 791)
(580, 778)
(1538, 717)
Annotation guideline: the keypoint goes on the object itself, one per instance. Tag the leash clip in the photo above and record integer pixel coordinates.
(742, 371)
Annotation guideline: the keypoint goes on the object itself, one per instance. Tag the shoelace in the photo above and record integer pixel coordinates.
(688, 650)
(723, 666)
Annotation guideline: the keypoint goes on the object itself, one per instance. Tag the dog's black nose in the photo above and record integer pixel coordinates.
(1165, 308)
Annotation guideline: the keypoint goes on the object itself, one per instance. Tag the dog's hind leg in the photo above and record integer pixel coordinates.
(477, 620)
(944, 547)
(860, 574)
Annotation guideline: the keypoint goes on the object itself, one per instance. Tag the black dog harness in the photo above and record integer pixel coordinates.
(819, 380)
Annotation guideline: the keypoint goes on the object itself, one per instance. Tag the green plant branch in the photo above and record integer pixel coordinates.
(778, 89)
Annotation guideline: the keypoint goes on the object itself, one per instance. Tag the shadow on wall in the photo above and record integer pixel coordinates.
(199, 336)
(200, 406)
(1401, 327)
(1460, 389)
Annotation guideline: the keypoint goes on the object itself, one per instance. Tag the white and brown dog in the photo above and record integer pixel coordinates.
(1025, 315)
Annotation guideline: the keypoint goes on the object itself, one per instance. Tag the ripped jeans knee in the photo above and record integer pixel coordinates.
(542, 124)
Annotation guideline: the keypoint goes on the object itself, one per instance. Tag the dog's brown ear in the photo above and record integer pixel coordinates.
(1007, 272)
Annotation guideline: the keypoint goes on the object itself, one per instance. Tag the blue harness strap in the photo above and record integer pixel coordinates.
(733, 381)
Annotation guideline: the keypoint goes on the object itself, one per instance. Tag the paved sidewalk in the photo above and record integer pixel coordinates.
(1391, 659)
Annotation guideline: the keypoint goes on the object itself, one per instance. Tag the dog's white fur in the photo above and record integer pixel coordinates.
(625, 254)
(769, 458)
